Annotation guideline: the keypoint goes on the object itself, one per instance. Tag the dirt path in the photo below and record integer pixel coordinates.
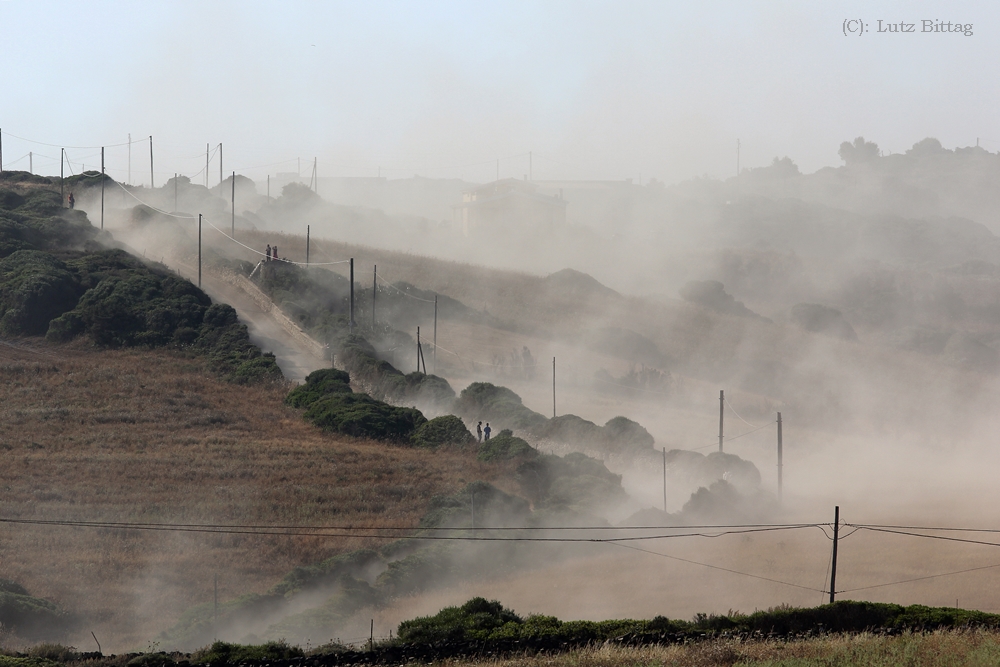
(294, 359)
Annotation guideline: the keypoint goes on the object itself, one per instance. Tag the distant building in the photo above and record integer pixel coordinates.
(508, 202)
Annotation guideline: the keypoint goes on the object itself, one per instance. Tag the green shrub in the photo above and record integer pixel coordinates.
(35, 287)
(475, 620)
(223, 653)
(573, 482)
(362, 416)
(31, 617)
(355, 564)
(319, 384)
(627, 434)
(505, 445)
(388, 383)
(446, 430)
(498, 405)
(492, 507)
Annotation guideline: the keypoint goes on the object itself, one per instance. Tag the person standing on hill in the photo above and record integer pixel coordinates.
(479, 431)
(268, 253)
(274, 253)
(72, 200)
(486, 431)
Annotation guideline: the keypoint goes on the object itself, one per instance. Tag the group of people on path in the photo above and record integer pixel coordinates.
(271, 253)
(480, 431)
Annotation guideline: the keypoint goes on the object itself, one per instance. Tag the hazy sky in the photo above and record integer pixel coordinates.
(605, 90)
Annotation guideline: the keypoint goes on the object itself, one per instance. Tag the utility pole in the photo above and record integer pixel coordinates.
(779, 457)
(722, 399)
(553, 387)
(352, 297)
(434, 353)
(307, 245)
(31, 162)
(833, 566)
(664, 480)
(102, 187)
(151, 183)
(199, 250)
(374, 289)
(62, 187)
(233, 202)
(418, 349)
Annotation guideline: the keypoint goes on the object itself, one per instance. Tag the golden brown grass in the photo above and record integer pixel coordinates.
(151, 436)
(940, 649)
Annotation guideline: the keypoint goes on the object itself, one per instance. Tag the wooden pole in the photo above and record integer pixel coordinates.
(418, 349)
(233, 203)
(31, 162)
(102, 187)
(833, 566)
(664, 480)
(352, 295)
(62, 187)
(307, 245)
(199, 250)
(151, 183)
(779, 458)
(553, 387)
(722, 400)
(371, 636)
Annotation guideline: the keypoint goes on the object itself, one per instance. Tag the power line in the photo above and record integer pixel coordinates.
(736, 413)
(929, 537)
(348, 527)
(299, 532)
(716, 567)
(930, 576)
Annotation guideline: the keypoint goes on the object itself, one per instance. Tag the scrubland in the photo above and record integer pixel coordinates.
(153, 436)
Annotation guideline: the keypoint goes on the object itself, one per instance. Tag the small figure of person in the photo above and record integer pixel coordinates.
(72, 200)
(486, 431)
(268, 253)
(274, 253)
(479, 431)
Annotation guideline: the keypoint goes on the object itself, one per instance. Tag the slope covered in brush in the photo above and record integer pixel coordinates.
(61, 278)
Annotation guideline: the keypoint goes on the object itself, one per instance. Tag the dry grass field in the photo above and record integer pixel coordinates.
(151, 436)
(938, 649)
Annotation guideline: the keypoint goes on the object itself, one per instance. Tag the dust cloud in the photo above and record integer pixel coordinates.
(859, 301)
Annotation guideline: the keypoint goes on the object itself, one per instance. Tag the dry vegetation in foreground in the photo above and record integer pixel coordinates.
(940, 649)
(152, 436)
